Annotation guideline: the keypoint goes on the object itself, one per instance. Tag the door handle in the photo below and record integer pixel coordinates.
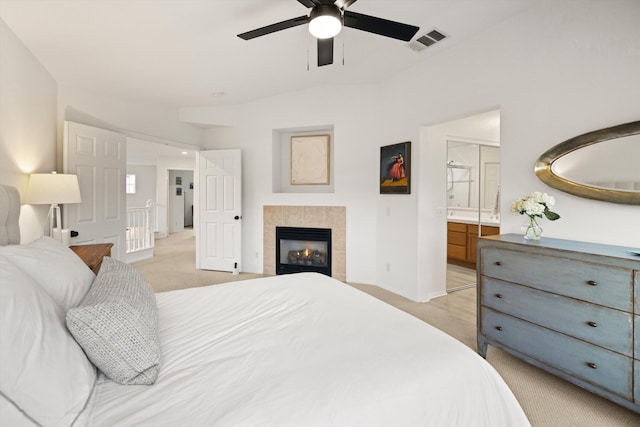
(237, 217)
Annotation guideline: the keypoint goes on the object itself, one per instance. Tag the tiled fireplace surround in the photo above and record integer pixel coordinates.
(333, 217)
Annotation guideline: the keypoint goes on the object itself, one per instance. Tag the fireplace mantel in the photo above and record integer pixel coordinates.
(333, 217)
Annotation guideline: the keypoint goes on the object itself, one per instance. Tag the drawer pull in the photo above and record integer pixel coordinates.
(592, 283)
(498, 263)
(592, 365)
(592, 324)
(498, 295)
(499, 328)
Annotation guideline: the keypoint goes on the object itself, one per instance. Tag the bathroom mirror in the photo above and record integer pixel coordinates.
(473, 175)
(599, 165)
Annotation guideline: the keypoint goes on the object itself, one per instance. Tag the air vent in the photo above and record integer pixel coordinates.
(424, 41)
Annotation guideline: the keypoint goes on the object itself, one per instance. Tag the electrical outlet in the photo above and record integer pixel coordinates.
(388, 267)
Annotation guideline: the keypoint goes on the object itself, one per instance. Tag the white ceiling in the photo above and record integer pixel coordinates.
(180, 52)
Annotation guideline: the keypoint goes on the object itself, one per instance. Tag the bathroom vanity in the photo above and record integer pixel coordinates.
(462, 237)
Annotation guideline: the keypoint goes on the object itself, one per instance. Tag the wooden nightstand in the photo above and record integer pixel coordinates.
(92, 254)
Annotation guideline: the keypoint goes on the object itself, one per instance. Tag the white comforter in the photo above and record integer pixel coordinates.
(304, 350)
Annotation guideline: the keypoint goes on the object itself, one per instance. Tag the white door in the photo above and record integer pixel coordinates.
(99, 158)
(218, 206)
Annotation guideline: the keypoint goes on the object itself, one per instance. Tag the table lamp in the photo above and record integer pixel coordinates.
(55, 189)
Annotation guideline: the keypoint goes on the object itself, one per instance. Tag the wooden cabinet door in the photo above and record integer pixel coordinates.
(472, 241)
(457, 241)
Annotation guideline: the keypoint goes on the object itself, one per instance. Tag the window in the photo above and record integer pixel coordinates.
(131, 184)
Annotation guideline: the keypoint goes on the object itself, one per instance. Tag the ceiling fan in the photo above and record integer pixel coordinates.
(326, 20)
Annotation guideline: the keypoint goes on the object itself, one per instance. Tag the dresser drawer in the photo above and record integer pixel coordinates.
(636, 382)
(636, 339)
(600, 284)
(606, 369)
(602, 326)
(637, 292)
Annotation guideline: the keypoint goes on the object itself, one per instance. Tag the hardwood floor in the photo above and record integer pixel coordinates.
(459, 278)
(454, 313)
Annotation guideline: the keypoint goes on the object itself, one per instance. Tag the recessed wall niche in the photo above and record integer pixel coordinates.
(281, 160)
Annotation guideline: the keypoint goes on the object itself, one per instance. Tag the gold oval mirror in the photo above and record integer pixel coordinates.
(600, 165)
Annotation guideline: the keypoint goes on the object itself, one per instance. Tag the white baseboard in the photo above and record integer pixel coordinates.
(139, 255)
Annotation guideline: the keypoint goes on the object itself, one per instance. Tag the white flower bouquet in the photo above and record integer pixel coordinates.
(535, 205)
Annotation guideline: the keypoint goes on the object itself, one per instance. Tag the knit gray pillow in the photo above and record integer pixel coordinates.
(116, 324)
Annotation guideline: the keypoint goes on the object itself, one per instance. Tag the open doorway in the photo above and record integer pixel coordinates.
(180, 198)
(157, 159)
(432, 194)
(473, 188)
(472, 192)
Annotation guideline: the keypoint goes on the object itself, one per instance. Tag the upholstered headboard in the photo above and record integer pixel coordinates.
(9, 214)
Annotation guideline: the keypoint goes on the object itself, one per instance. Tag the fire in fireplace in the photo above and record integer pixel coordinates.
(301, 249)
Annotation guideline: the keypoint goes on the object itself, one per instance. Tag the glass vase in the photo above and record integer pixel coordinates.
(531, 230)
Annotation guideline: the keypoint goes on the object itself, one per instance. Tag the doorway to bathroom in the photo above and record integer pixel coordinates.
(473, 193)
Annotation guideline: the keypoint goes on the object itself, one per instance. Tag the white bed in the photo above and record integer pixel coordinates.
(293, 350)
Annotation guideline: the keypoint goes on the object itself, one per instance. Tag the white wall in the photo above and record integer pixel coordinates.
(33, 109)
(134, 117)
(145, 185)
(355, 164)
(27, 125)
(555, 71)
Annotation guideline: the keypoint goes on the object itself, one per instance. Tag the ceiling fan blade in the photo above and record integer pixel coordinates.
(310, 3)
(383, 27)
(289, 23)
(343, 4)
(325, 52)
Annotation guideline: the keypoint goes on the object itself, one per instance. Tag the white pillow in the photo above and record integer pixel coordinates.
(117, 325)
(55, 267)
(43, 371)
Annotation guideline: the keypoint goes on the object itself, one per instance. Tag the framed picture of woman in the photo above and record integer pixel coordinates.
(395, 169)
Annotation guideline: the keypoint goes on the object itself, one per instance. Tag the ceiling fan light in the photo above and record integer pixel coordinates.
(325, 22)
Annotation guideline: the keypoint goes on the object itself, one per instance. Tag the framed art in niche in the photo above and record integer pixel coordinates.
(395, 169)
(310, 160)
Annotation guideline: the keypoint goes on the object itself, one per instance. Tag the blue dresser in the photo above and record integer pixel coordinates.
(570, 308)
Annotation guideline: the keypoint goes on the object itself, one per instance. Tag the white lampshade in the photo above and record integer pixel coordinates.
(53, 188)
(325, 21)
